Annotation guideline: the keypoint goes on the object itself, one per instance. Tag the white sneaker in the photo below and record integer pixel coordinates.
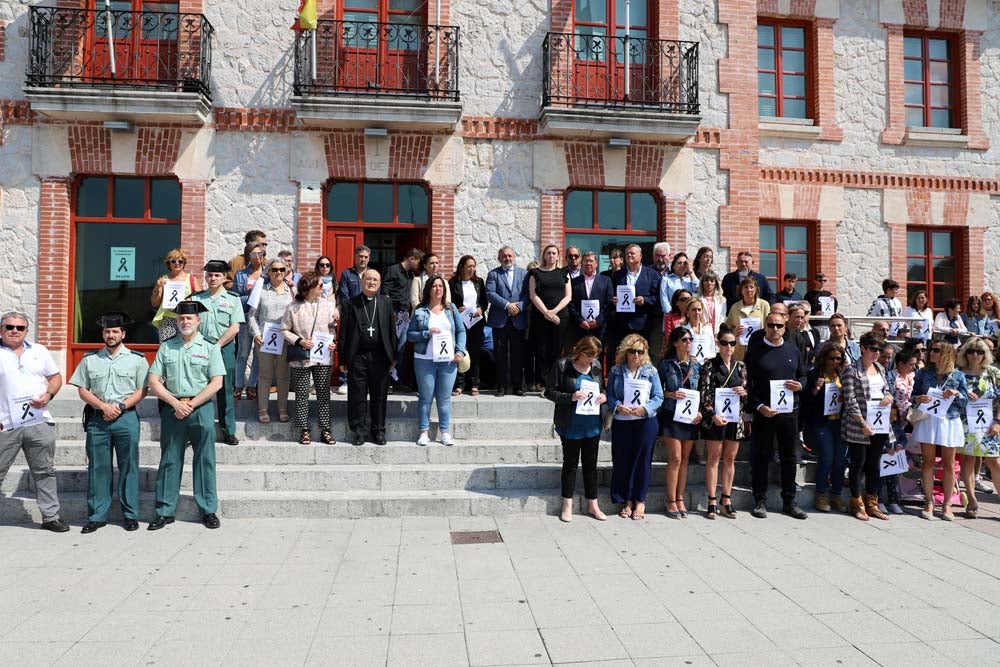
(342, 390)
(423, 440)
(895, 508)
(983, 486)
(446, 439)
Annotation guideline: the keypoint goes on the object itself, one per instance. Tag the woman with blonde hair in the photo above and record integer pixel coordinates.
(634, 396)
(165, 320)
(749, 305)
(983, 381)
(550, 294)
(703, 346)
(944, 431)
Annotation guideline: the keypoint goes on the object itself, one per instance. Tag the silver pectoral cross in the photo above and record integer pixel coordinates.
(371, 330)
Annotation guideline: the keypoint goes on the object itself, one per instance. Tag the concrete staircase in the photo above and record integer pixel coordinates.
(506, 460)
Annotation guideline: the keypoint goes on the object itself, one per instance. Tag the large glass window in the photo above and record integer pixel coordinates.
(378, 203)
(123, 228)
(932, 261)
(928, 77)
(785, 247)
(601, 220)
(782, 70)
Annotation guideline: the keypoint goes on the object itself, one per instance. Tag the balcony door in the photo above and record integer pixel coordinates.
(143, 36)
(382, 46)
(612, 50)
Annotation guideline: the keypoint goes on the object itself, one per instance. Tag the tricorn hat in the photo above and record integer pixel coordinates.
(189, 307)
(217, 266)
(114, 318)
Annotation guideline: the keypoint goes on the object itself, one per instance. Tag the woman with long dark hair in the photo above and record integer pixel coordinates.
(469, 292)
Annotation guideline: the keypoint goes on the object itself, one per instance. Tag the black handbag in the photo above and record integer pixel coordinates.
(297, 352)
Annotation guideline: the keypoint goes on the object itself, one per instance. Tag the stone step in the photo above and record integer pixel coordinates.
(21, 507)
(265, 479)
(485, 406)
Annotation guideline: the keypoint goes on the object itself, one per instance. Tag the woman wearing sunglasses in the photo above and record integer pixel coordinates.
(722, 437)
(243, 284)
(327, 278)
(822, 427)
(634, 396)
(678, 371)
(165, 319)
(983, 381)
(943, 431)
(275, 297)
(864, 381)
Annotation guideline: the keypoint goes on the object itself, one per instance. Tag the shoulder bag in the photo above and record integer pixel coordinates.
(297, 352)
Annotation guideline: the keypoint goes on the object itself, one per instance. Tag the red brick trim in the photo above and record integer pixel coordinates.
(897, 255)
(673, 221)
(973, 247)
(561, 16)
(442, 228)
(643, 166)
(879, 180)
(895, 131)
(52, 313)
(585, 164)
(3, 40)
(825, 236)
(309, 229)
(824, 95)
(90, 149)
(915, 14)
(553, 213)
(253, 119)
(193, 226)
(969, 86)
(16, 112)
(156, 150)
(190, 6)
(952, 14)
(409, 155)
(345, 154)
(706, 137)
(495, 127)
(918, 207)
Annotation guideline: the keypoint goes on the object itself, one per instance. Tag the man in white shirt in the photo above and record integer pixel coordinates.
(29, 380)
(887, 305)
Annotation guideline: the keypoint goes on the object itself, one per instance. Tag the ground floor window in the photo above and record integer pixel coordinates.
(602, 220)
(932, 261)
(786, 247)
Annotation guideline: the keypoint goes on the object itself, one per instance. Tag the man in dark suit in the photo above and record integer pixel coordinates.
(367, 344)
(584, 320)
(506, 290)
(731, 281)
(647, 316)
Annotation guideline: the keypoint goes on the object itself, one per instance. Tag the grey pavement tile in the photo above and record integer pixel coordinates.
(160, 598)
(769, 603)
(501, 589)
(354, 621)
(911, 654)
(583, 643)
(795, 631)
(480, 523)
(825, 599)
(734, 636)
(426, 619)
(865, 627)
(980, 615)
(198, 626)
(558, 587)
(540, 567)
(374, 592)
(931, 624)
(656, 640)
(506, 647)
(184, 574)
(838, 656)
(694, 660)
(232, 596)
(698, 606)
(187, 653)
(563, 614)
(427, 651)
(145, 627)
(267, 653)
(238, 574)
(969, 651)
(426, 590)
(54, 626)
(774, 658)
(495, 615)
(32, 652)
(103, 654)
(281, 624)
(360, 651)
(293, 596)
(435, 524)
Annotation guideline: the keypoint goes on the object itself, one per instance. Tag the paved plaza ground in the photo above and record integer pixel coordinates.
(827, 591)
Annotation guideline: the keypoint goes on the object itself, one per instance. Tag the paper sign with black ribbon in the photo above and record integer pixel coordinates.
(749, 324)
(938, 405)
(831, 399)
(273, 341)
(979, 415)
(782, 398)
(826, 305)
(727, 404)
(686, 408)
(590, 309)
(173, 294)
(320, 353)
(444, 347)
(893, 464)
(878, 417)
(626, 298)
(701, 347)
(22, 413)
(636, 393)
(588, 405)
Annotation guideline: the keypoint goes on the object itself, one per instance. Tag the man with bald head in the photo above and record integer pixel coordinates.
(367, 344)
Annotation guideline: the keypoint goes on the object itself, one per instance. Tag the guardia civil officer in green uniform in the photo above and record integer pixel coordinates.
(112, 381)
(186, 373)
(220, 325)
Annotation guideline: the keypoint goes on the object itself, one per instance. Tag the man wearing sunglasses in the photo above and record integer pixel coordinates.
(29, 380)
(573, 262)
(777, 360)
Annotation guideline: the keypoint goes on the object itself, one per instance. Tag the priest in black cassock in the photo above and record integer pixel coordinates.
(367, 346)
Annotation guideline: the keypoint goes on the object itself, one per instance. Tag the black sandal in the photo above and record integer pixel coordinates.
(712, 508)
(327, 437)
(727, 508)
(305, 438)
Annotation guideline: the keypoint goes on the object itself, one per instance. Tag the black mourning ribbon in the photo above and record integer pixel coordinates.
(781, 398)
(27, 411)
(833, 399)
(980, 416)
(173, 295)
(635, 397)
(727, 406)
(319, 349)
(444, 347)
(590, 313)
(878, 418)
(273, 341)
(935, 406)
(891, 463)
(625, 300)
(123, 266)
(590, 398)
(687, 407)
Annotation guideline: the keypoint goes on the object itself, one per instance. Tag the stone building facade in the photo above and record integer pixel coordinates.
(511, 140)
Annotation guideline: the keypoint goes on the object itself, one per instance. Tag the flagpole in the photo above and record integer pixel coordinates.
(111, 31)
(314, 40)
(628, 78)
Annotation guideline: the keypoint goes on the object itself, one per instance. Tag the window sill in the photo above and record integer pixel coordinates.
(789, 128)
(938, 137)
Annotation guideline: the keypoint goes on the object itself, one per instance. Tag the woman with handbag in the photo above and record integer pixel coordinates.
(436, 322)
(722, 437)
(678, 372)
(983, 381)
(943, 431)
(580, 433)
(306, 316)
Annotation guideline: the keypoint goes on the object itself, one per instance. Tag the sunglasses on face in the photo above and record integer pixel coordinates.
(176, 261)
(325, 266)
(821, 280)
(975, 351)
(257, 254)
(936, 349)
(574, 256)
(836, 358)
(873, 348)
(775, 325)
(727, 343)
(635, 351)
(277, 270)
(15, 327)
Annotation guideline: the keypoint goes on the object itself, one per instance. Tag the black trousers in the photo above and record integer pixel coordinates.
(865, 462)
(546, 339)
(508, 350)
(473, 348)
(573, 450)
(367, 392)
(784, 428)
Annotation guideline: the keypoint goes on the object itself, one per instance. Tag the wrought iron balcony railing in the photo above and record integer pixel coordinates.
(72, 47)
(378, 59)
(620, 71)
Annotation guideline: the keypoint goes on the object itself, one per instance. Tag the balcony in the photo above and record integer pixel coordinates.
(130, 65)
(601, 86)
(361, 74)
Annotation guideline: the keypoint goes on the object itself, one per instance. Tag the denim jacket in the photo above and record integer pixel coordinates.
(241, 286)
(928, 379)
(418, 332)
(672, 377)
(616, 387)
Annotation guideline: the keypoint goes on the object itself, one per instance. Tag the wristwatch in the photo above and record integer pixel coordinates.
(121, 406)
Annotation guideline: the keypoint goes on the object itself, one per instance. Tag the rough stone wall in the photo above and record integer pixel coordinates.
(710, 192)
(19, 191)
(862, 251)
(699, 23)
(15, 59)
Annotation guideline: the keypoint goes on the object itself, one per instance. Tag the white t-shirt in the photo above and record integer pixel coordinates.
(23, 376)
(442, 322)
(469, 296)
(875, 387)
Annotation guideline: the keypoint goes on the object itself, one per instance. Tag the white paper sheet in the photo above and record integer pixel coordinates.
(273, 341)
(831, 399)
(727, 404)
(686, 408)
(878, 417)
(752, 324)
(320, 352)
(589, 406)
(626, 299)
(443, 346)
(782, 398)
(173, 294)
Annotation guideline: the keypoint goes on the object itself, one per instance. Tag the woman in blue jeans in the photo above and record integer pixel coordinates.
(436, 324)
(823, 430)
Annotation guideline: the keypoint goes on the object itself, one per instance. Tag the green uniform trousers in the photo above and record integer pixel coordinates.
(224, 399)
(121, 438)
(199, 429)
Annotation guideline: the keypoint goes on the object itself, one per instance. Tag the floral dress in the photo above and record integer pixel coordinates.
(986, 385)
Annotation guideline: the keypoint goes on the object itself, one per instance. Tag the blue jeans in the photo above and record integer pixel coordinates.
(434, 380)
(244, 352)
(831, 457)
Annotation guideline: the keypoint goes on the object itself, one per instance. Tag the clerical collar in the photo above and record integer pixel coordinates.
(368, 298)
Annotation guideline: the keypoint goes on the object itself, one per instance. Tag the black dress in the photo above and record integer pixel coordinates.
(546, 338)
(714, 375)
